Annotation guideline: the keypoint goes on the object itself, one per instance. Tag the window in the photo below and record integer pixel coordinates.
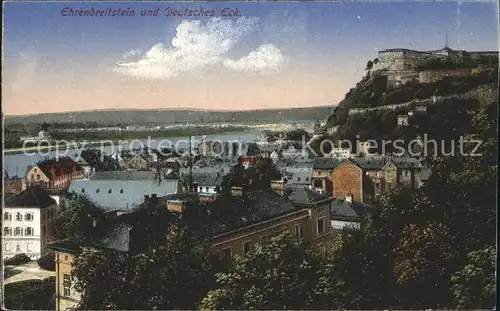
(226, 254)
(322, 249)
(19, 217)
(7, 231)
(17, 231)
(18, 247)
(97, 190)
(298, 232)
(7, 247)
(206, 189)
(83, 190)
(35, 170)
(7, 216)
(247, 246)
(121, 190)
(109, 191)
(37, 177)
(29, 231)
(321, 225)
(28, 217)
(66, 285)
(298, 178)
(29, 246)
(264, 240)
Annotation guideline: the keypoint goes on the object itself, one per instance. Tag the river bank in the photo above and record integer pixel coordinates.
(153, 136)
(16, 163)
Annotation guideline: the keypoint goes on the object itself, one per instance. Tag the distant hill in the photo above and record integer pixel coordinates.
(171, 116)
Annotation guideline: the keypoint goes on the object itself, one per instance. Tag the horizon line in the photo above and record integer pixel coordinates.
(167, 109)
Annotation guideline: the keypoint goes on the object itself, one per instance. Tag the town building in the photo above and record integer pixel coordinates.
(322, 174)
(124, 190)
(54, 173)
(430, 76)
(346, 214)
(403, 120)
(14, 185)
(235, 224)
(139, 162)
(28, 223)
(42, 136)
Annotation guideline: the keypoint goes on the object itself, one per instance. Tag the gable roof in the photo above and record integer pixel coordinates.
(305, 196)
(343, 209)
(32, 197)
(229, 213)
(369, 163)
(405, 163)
(61, 167)
(326, 163)
(204, 178)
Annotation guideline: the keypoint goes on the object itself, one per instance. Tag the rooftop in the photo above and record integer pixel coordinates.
(326, 163)
(343, 209)
(305, 196)
(32, 197)
(123, 175)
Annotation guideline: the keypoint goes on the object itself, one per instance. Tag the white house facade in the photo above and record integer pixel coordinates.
(22, 232)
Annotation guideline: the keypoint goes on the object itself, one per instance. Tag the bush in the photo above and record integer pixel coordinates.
(47, 262)
(17, 260)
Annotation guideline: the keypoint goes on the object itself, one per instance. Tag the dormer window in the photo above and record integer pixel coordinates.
(121, 190)
(83, 190)
(109, 191)
(97, 190)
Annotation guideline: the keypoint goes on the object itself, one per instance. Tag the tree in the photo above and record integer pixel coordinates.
(75, 221)
(423, 259)
(369, 65)
(474, 284)
(175, 275)
(258, 176)
(281, 275)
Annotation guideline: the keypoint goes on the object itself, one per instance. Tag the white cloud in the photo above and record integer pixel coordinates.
(266, 57)
(131, 53)
(196, 45)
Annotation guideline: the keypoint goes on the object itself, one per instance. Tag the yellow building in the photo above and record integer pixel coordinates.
(66, 296)
(248, 218)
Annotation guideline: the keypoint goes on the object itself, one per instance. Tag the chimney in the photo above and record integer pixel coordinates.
(278, 186)
(176, 206)
(237, 191)
(147, 202)
(349, 197)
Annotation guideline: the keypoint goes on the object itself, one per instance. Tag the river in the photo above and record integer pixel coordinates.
(16, 164)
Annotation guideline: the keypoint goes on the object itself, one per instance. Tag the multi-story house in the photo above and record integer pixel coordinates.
(355, 177)
(54, 173)
(400, 172)
(235, 223)
(139, 163)
(323, 174)
(28, 223)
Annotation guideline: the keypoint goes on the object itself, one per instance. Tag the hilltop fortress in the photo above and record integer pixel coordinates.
(401, 65)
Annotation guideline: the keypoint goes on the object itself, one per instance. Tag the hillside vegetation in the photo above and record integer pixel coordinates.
(467, 93)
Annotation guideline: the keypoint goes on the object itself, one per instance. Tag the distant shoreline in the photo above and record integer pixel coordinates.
(28, 150)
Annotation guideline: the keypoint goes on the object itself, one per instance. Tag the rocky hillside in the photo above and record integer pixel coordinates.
(480, 88)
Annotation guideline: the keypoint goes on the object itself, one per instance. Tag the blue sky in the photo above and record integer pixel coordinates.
(310, 34)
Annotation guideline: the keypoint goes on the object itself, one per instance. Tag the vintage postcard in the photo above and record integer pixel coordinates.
(249, 155)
